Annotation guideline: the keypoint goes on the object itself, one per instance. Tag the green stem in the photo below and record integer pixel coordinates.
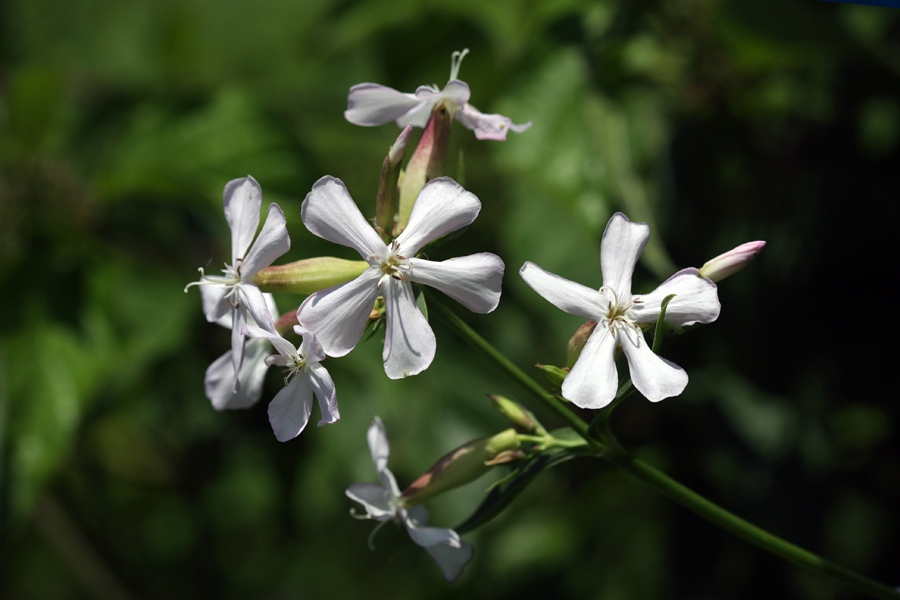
(533, 387)
(730, 522)
(612, 450)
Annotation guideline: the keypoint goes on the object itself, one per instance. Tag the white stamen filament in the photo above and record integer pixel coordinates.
(456, 60)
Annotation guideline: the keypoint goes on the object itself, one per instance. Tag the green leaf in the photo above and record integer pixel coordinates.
(657, 333)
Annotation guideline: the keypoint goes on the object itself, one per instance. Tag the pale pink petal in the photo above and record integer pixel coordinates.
(239, 319)
(290, 409)
(272, 242)
(473, 281)
(323, 387)
(653, 376)
(451, 559)
(215, 305)
(573, 298)
(370, 104)
(455, 90)
(219, 380)
(429, 536)
(282, 346)
(380, 451)
(375, 499)
(338, 314)
(592, 382)
(409, 343)
(488, 126)
(255, 302)
(696, 300)
(242, 200)
(443, 206)
(330, 213)
(622, 244)
(309, 345)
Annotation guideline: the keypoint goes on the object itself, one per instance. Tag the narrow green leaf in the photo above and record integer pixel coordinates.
(657, 333)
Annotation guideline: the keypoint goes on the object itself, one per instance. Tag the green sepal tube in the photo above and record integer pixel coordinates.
(461, 466)
(554, 375)
(386, 200)
(308, 275)
(520, 417)
(427, 162)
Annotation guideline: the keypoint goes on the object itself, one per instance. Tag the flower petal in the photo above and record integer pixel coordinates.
(272, 242)
(473, 281)
(282, 346)
(622, 244)
(488, 126)
(323, 387)
(216, 306)
(451, 559)
(239, 318)
(443, 206)
(374, 498)
(409, 343)
(696, 300)
(573, 298)
(290, 409)
(593, 380)
(370, 104)
(429, 536)
(380, 450)
(219, 380)
(242, 200)
(338, 314)
(330, 213)
(455, 90)
(653, 376)
(254, 301)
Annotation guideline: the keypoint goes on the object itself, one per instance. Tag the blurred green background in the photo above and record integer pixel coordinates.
(718, 123)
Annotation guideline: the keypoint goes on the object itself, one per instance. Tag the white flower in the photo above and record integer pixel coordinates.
(219, 381)
(593, 380)
(338, 314)
(234, 292)
(371, 104)
(383, 503)
(304, 376)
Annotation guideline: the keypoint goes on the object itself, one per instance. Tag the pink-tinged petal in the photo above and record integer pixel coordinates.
(380, 451)
(488, 126)
(219, 381)
(310, 347)
(571, 297)
(239, 319)
(272, 242)
(215, 305)
(731, 262)
(338, 314)
(290, 409)
(370, 104)
(323, 387)
(242, 200)
(282, 346)
(592, 382)
(443, 206)
(374, 498)
(409, 343)
(255, 302)
(622, 244)
(455, 90)
(473, 281)
(430, 536)
(451, 559)
(330, 213)
(653, 376)
(696, 300)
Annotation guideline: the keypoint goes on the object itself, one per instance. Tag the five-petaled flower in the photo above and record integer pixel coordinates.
(383, 503)
(304, 376)
(219, 380)
(235, 291)
(338, 314)
(593, 380)
(373, 104)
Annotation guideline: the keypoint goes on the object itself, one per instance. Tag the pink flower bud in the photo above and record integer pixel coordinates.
(731, 262)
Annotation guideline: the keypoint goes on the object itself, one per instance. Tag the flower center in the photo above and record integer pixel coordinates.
(394, 265)
(230, 280)
(617, 317)
(293, 364)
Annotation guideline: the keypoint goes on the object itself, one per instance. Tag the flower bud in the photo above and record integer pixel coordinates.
(577, 342)
(731, 262)
(386, 200)
(459, 467)
(520, 417)
(308, 275)
(427, 162)
(554, 375)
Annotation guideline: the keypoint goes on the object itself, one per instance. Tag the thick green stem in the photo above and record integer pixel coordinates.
(610, 449)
